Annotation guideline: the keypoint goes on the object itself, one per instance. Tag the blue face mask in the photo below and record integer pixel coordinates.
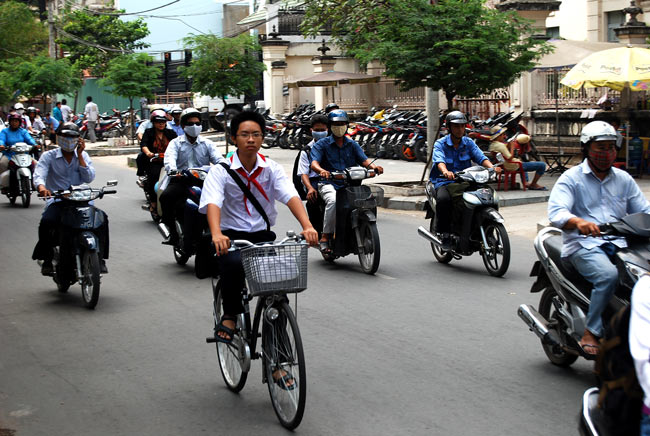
(318, 135)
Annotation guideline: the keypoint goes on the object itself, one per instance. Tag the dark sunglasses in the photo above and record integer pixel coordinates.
(198, 123)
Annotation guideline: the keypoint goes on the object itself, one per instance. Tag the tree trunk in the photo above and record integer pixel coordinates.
(132, 118)
(450, 100)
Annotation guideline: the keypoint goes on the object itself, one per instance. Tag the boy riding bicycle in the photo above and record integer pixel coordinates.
(233, 214)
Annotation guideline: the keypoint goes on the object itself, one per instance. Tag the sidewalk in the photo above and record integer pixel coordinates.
(395, 171)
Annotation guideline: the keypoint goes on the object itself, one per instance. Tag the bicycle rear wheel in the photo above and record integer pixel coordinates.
(233, 362)
(283, 356)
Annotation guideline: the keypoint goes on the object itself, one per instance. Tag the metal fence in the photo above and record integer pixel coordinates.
(547, 84)
(484, 106)
(289, 23)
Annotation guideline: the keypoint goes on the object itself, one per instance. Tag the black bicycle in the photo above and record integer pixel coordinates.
(273, 270)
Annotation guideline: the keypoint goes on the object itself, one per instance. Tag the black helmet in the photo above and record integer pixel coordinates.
(455, 117)
(68, 129)
(189, 113)
(330, 107)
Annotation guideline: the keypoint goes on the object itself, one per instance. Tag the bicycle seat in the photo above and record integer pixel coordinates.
(553, 246)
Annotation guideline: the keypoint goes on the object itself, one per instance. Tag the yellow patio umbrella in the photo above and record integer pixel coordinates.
(616, 68)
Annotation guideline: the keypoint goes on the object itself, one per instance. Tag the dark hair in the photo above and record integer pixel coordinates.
(57, 103)
(64, 101)
(89, 98)
(247, 116)
(319, 119)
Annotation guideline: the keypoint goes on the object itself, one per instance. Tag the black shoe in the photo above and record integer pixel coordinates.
(47, 269)
(103, 269)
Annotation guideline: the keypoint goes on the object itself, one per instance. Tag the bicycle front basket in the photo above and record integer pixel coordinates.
(271, 269)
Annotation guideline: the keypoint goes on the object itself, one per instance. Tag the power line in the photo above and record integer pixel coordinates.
(91, 44)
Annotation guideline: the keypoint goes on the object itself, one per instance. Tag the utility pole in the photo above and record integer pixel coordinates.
(52, 30)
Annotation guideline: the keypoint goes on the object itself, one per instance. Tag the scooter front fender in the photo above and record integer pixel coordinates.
(359, 215)
(490, 214)
(89, 241)
(24, 172)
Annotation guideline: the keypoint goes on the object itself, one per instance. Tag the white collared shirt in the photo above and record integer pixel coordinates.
(179, 153)
(220, 189)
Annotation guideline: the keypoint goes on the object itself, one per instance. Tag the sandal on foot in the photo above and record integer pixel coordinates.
(324, 247)
(284, 381)
(222, 328)
(587, 354)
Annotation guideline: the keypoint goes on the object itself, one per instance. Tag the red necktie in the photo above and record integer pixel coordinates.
(252, 180)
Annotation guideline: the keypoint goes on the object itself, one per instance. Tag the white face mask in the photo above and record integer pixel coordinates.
(339, 131)
(192, 130)
(318, 135)
(21, 111)
(66, 144)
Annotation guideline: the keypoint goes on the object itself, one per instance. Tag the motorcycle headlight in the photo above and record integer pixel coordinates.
(357, 173)
(481, 176)
(82, 195)
(635, 270)
(471, 198)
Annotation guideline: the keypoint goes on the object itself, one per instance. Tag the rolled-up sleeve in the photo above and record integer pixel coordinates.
(358, 152)
(215, 156)
(317, 152)
(439, 151)
(213, 188)
(87, 173)
(42, 169)
(476, 153)
(561, 201)
(170, 156)
(282, 187)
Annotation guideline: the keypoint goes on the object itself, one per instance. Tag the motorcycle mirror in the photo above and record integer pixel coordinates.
(111, 183)
(500, 158)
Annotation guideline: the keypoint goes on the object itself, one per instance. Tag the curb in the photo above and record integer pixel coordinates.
(112, 151)
(417, 202)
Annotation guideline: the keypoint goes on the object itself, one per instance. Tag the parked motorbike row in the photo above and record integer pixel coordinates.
(109, 126)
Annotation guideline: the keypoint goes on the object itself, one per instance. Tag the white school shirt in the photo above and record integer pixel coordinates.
(219, 188)
(639, 335)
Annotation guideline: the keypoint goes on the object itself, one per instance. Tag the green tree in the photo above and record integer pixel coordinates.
(22, 35)
(41, 75)
(459, 46)
(132, 76)
(93, 40)
(223, 66)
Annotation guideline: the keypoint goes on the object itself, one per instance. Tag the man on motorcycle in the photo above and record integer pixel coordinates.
(187, 151)
(24, 120)
(154, 141)
(308, 176)
(175, 123)
(585, 196)
(51, 124)
(11, 136)
(451, 154)
(231, 216)
(59, 169)
(335, 153)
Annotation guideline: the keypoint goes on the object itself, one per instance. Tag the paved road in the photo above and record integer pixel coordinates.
(419, 349)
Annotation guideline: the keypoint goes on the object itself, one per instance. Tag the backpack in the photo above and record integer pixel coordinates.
(295, 177)
(621, 396)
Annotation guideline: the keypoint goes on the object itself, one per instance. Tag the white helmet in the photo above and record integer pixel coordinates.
(19, 106)
(176, 109)
(188, 113)
(599, 131)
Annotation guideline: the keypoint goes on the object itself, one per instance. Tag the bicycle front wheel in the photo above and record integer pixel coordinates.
(232, 357)
(284, 364)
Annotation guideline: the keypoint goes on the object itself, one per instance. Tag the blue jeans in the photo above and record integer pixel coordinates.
(538, 167)
(645, 425)
(597, 269)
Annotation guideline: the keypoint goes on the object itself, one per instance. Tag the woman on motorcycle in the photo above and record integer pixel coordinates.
(155, 141)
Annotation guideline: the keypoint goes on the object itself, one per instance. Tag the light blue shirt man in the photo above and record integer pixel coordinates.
(579, 193)
(181, 154)
(55, 173)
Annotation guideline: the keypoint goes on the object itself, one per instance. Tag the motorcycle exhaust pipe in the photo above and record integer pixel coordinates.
(538, 325)
(429, 236)
(164, 231)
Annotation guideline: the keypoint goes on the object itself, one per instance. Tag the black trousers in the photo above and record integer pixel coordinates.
(48, 236)
(142, 163)
(153, 174)
(443, 210)
(232, 270)
(172, 203)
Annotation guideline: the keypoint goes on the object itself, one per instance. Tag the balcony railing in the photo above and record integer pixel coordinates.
(289, 22)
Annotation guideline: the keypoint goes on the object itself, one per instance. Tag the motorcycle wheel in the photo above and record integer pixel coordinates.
(440, 255)
(26, 194)
(421, 150)
(61, 285)
(369, 259)
(283, 141)
(548, 311)
(90, 282)
(498, 245)
(12, 199)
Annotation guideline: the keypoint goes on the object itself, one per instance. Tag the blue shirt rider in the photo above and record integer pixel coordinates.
(451, 154)
(335, 153)
(10, 136)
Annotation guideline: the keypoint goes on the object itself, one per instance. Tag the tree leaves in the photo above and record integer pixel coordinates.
(459, 46)
(21, 34)
(129, 76)
(223, 66)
